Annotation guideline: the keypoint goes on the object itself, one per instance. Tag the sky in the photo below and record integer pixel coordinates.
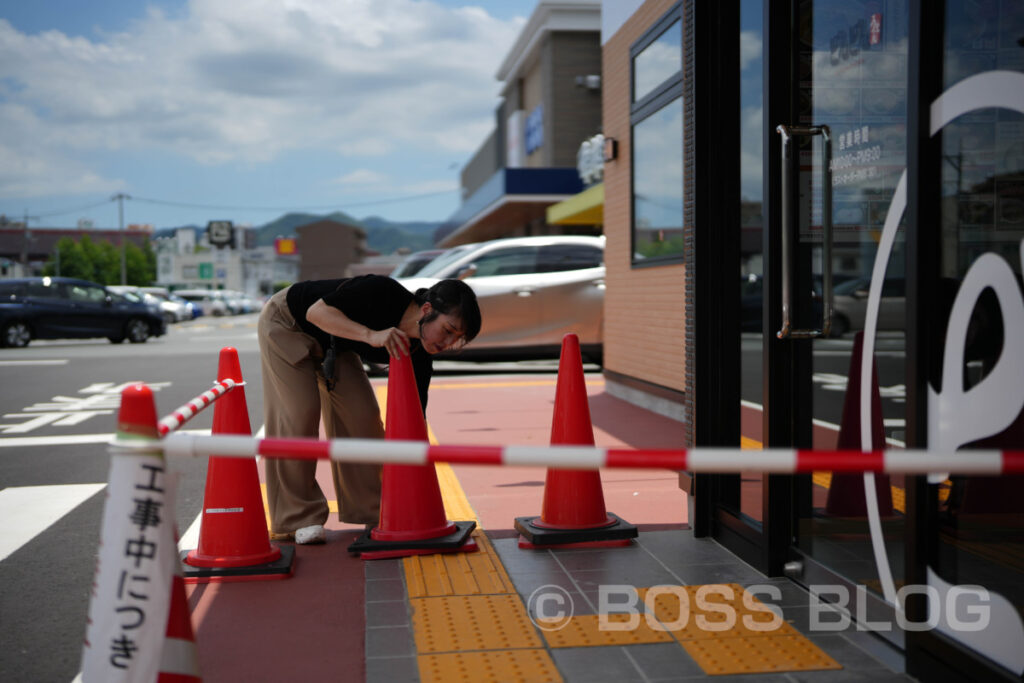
(204, 110)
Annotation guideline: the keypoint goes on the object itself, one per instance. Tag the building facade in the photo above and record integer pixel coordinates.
(819, 205)
(328, 248)
(550, 103)
(185, 261)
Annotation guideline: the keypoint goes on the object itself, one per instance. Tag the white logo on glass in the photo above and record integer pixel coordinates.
(955, 416)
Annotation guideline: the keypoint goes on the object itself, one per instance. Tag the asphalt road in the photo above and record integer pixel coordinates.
(58, 407)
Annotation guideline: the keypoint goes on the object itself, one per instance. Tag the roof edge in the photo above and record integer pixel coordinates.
(556, 15)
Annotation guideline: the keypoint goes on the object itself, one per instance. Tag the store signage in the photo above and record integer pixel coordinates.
(590, 160)
(875, 29)
(514, 140)
(285, 245)
(220, 233)
(535, 129)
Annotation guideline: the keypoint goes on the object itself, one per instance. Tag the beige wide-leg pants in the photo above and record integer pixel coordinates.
(295, 398)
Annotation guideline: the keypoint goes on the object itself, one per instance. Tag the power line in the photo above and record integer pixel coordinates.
(328, 207)
(50, 214)
(224, 207)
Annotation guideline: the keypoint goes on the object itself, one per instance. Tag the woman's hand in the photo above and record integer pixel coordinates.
(393, 339)
(333, 321)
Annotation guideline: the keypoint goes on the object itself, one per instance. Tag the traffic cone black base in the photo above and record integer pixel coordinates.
(281, 568)
(620, 533)
(469, 546)
(456, 541)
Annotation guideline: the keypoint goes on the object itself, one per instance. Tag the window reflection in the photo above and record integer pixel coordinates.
(658, 61)
(658, 183)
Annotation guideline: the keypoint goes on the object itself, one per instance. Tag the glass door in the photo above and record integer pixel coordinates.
(972, 247)
(837, 281)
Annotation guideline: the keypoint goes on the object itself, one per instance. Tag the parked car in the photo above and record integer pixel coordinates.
(171, 312)
(67, 308)
(209, 300)
(414, 263)
(850, 303)
(240, 302)
(179, 309)
(532, 292)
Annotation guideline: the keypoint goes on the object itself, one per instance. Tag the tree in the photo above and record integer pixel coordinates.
(101, 262)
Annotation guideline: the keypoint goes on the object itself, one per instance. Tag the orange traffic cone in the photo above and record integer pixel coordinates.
(846, 491)
(180, 661)
(233, 540)
(573, 514)
(412, 518)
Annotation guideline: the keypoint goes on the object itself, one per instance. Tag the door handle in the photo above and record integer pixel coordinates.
(789, 225)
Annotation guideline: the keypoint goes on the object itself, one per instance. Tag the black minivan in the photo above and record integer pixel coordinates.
(67, 308)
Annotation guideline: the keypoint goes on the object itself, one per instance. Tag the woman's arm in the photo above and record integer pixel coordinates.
(333, 321)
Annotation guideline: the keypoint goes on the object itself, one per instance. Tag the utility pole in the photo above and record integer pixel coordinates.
(26, 242)
(120, 197)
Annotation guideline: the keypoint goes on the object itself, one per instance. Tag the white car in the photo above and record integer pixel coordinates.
(851, 303)
(175, 308)
(532, 292)
(209, 300)
(139, 295)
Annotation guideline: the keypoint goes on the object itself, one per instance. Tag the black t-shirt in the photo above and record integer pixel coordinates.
(375, 301)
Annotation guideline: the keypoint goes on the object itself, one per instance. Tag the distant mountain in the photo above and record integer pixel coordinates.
(381, 234)
(286, 224)
(420, 227)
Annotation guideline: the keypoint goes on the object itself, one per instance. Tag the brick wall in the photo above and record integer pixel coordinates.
(645, 314)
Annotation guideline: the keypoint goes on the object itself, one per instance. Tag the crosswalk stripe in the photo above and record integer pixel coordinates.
(28, 510)
(71, 439)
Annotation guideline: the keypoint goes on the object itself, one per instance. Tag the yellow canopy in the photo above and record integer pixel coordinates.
(586, 208)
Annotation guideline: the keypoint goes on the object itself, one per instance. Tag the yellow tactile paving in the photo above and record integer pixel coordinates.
(713, 611)
(719, 656)
(591, 630)
(456, 505)
(477, 573)
(500, 666)
(471, 622)
(470, 625)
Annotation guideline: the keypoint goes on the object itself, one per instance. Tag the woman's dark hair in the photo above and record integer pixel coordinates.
(455, 298)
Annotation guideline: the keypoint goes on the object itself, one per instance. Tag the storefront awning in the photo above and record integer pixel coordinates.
(508, 202)
(586, 208)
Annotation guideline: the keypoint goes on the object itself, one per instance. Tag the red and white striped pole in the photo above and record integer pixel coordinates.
(712, 460)
(186, 412)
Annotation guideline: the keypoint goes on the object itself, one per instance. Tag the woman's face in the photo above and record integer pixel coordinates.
(441, 333)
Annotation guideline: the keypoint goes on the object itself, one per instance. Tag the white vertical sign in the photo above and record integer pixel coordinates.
(137, 560)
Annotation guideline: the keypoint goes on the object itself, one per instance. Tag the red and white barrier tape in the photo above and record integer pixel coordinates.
(717, 460)
(190, 409)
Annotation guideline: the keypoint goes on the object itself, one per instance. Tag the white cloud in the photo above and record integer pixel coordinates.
(362, 176)
(750, 48)
(364, 181)
(226, 82)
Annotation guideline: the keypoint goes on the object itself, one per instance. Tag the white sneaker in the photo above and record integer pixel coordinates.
(308, 535)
